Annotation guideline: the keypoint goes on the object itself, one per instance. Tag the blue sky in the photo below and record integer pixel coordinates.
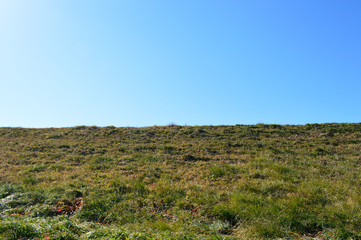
(144, 63)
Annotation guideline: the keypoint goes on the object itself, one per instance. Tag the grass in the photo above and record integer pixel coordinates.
(180, 182)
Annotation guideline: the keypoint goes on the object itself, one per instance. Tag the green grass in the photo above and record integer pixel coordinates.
(180, 182)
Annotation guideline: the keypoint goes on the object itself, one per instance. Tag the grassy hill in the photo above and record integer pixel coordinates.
(181, 182)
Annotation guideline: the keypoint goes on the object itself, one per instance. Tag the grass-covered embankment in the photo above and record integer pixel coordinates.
(181, 182)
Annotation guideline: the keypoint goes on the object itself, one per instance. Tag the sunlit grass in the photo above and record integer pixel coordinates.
(178, 182)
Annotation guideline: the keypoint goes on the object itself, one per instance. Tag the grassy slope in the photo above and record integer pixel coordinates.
(181, 182)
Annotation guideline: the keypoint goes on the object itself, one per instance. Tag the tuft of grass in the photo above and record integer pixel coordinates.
(14, 230)
(220, 170)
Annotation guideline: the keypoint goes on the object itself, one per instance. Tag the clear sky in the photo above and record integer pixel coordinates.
(195, 62)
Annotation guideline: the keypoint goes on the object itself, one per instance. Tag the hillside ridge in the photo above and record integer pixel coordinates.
(181, 182)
